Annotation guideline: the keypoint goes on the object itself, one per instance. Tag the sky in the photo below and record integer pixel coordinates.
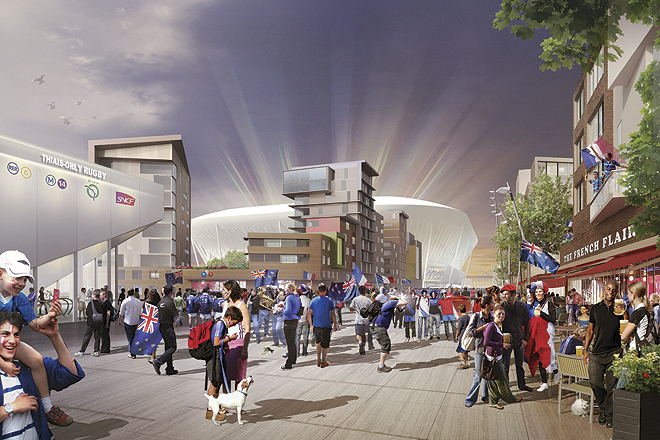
(442, 105)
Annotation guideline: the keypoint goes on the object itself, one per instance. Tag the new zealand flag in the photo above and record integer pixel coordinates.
(147, 335)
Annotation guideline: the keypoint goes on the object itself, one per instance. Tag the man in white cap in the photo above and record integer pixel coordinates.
(14, 274)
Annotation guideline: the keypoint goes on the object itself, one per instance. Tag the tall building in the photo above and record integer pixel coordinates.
(324, 196)
(395, 245)
(161, 159)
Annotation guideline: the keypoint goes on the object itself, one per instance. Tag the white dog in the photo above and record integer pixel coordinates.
(234, 400)
(580, 408)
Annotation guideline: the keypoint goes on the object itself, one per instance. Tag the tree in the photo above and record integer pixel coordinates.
(214, 262)
(643, 156)
(543, 216)
(579, 30)
(236, 259)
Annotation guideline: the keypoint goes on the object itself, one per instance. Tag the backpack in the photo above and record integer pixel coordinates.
(113, 313)
(200, 343)
(372, 310)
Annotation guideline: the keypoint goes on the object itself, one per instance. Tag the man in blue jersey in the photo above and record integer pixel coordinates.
(205, 305)
(381, 324)
(192, 307)
(321, 318)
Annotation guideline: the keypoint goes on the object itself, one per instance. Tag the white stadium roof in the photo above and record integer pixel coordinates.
(446, 233)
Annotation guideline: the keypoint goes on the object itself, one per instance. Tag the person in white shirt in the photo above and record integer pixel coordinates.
(129, 313)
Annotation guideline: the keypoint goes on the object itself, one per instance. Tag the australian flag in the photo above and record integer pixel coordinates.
(174, 277)
(271, 278)
(147, 335)
(536, 256)
(258, 276)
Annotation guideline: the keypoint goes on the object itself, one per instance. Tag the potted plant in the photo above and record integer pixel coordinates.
(636, 400)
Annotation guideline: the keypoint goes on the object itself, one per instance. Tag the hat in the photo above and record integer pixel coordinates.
(16, 264)
(539, 284)
(508, 288)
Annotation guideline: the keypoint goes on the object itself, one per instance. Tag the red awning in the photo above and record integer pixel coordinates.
(625, 260)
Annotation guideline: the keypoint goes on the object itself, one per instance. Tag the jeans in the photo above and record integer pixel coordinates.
(434, 322)
(255, 326)
(423, 324)
(518, 354)
(471, 399)
(264, 318)
(602, 380)
(302, 330)
(130, 334)
(409, 325)
(96, 331)
(453, 329)
(290, 326)
(278, 331)
(169, 337)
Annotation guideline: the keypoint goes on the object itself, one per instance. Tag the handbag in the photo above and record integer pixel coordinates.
(468, 339)
(488, 370)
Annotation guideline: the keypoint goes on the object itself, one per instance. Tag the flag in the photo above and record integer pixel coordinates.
(368, 285)
(540, 345)
(309, 276)
(536, 256)
(382, 280)
(336, 292)
(569, 224)
(358, 277)
(258, 276)
(348, 284)
(271, 278)
(392, 280)
(147, 335)
(591, 154)
(353, 292)
(405, 281)
(174, 277)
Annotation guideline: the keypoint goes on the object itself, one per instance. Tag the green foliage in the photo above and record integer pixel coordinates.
(640, 373)
(643, 157)
(543, 216)
(579, 29)
(234, 259)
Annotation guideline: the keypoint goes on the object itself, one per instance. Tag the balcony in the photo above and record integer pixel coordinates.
(609, 200)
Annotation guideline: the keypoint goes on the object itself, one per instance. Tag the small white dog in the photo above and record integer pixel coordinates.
(580, 408)
(234, 400)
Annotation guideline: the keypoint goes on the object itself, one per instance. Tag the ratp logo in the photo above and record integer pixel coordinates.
(50, 180)
(12, 168)
(92, 191)
(124, 199)
(61, 183)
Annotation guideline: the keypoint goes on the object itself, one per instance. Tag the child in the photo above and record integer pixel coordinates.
(463, 320)
(220, 339)
(14, 273)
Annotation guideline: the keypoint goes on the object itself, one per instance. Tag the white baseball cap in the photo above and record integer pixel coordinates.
(16, 264)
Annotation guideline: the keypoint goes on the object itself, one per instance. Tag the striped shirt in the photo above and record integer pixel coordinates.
(19, 426)
(597, 183)
(609, 166)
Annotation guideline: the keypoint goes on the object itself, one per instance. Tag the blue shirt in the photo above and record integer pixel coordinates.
(20, 304)
(322, 306)
(568, 345)
(191, 303)
(291, 306)
(609, 166)
(205, 304)
(386, 313)
(597, 183)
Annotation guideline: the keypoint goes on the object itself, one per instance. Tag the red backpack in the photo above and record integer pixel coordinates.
(200, 343)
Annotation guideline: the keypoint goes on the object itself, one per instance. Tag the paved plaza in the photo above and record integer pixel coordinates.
(422, 398)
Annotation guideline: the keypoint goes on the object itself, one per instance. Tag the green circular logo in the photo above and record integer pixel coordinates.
(92, 191)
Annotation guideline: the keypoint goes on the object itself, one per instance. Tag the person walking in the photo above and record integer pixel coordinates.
(290, 323)
(516, 324)
(94, 325)
(129, 313)
(321, 318)
(477, 325)
(166, 316)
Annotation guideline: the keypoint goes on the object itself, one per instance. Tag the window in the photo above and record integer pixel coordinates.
(320, 210)
(121, 274)
(155, 168)
(323, 259)
(579, 199)
(579, 106)
(328, 198)
(137, 274)
(344, 210)
(312, 223)
(185, 196)
(579, 147)
(619, 133)
(596, 124)
(153, 275)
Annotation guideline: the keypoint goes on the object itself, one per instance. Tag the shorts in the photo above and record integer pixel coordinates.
(361, 329)
(205, 315)
(383, 338)
(192, 314)
(322, 336)
(459, 348)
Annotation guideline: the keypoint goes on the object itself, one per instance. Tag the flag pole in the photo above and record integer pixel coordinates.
(515, 209)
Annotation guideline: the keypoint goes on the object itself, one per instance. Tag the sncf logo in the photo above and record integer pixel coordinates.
(125, 199)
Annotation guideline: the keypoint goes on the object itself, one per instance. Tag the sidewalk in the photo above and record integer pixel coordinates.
(422, 398)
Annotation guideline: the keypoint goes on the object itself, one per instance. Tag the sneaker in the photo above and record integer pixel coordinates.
(324, 365)
(96, 353)
(609, 423)
(286, 367)
(361, 349)
(80, 353)
(57, 417)
(384, 369)
(430, 338)
(171, 373)
(156, 367)
(543, 387)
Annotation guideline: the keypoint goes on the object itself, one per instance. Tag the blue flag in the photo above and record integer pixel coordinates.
(174, 278)
(147, 335)
(271, 278)
(536, 256)
(258, 276)
(351, 293)
(405, 281)
(336, 292)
